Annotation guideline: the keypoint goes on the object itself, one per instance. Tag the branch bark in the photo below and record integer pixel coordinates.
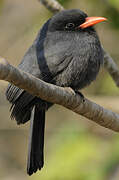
(109, 64)
(58, 95)
(52, 5)
(111, 67)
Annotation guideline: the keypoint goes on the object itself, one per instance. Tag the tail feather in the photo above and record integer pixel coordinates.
(13, 93)
(23, 104)
(36, 142)
(22, 107)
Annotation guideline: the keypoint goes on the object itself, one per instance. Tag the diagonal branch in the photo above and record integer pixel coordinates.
(52, 5)
(58, 95)
(109, 64)
(111, 67)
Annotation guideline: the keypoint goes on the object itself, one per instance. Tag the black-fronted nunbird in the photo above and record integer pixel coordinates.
(67, 53)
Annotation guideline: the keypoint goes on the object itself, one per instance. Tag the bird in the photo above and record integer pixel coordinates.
(66, 52)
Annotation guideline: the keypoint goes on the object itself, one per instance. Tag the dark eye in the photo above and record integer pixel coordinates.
(69, 25)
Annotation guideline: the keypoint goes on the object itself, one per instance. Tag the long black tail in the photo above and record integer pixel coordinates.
(36, 142)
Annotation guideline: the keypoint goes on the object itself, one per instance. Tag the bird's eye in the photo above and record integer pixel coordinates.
(69, 25)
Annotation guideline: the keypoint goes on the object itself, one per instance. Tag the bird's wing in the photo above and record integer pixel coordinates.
(19, 98)
(28, 64)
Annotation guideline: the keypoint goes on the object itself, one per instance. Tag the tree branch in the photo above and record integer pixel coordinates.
(109, 64)
(52, 5)
(58, 95)
(111, 67)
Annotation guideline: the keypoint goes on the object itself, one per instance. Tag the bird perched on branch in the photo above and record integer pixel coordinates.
(67, 53)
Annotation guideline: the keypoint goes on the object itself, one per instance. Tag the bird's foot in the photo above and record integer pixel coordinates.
(81, 95)
(70, 90)
(74, 92)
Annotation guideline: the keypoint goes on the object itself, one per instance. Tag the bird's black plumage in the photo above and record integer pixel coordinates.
(61, 55)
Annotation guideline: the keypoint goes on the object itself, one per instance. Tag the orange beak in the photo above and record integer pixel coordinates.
(90, 21)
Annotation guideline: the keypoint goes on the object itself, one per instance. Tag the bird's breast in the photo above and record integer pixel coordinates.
(72, 61)
(83, 66)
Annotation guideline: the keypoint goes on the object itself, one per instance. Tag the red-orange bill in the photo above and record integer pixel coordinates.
(90, 21)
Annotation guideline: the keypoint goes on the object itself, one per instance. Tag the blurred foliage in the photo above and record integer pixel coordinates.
(1, 4)
(63, 2)
(112, 11)
(80, 155)
(114, 3)
(104, 85)
(113, 15)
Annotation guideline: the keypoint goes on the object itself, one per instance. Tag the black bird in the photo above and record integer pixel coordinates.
(66, 52)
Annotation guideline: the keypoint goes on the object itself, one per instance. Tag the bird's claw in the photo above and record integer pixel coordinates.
(74, 92)
(81, 95)
(70, 90)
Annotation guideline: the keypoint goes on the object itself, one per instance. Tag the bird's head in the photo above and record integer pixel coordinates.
(72, 20)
